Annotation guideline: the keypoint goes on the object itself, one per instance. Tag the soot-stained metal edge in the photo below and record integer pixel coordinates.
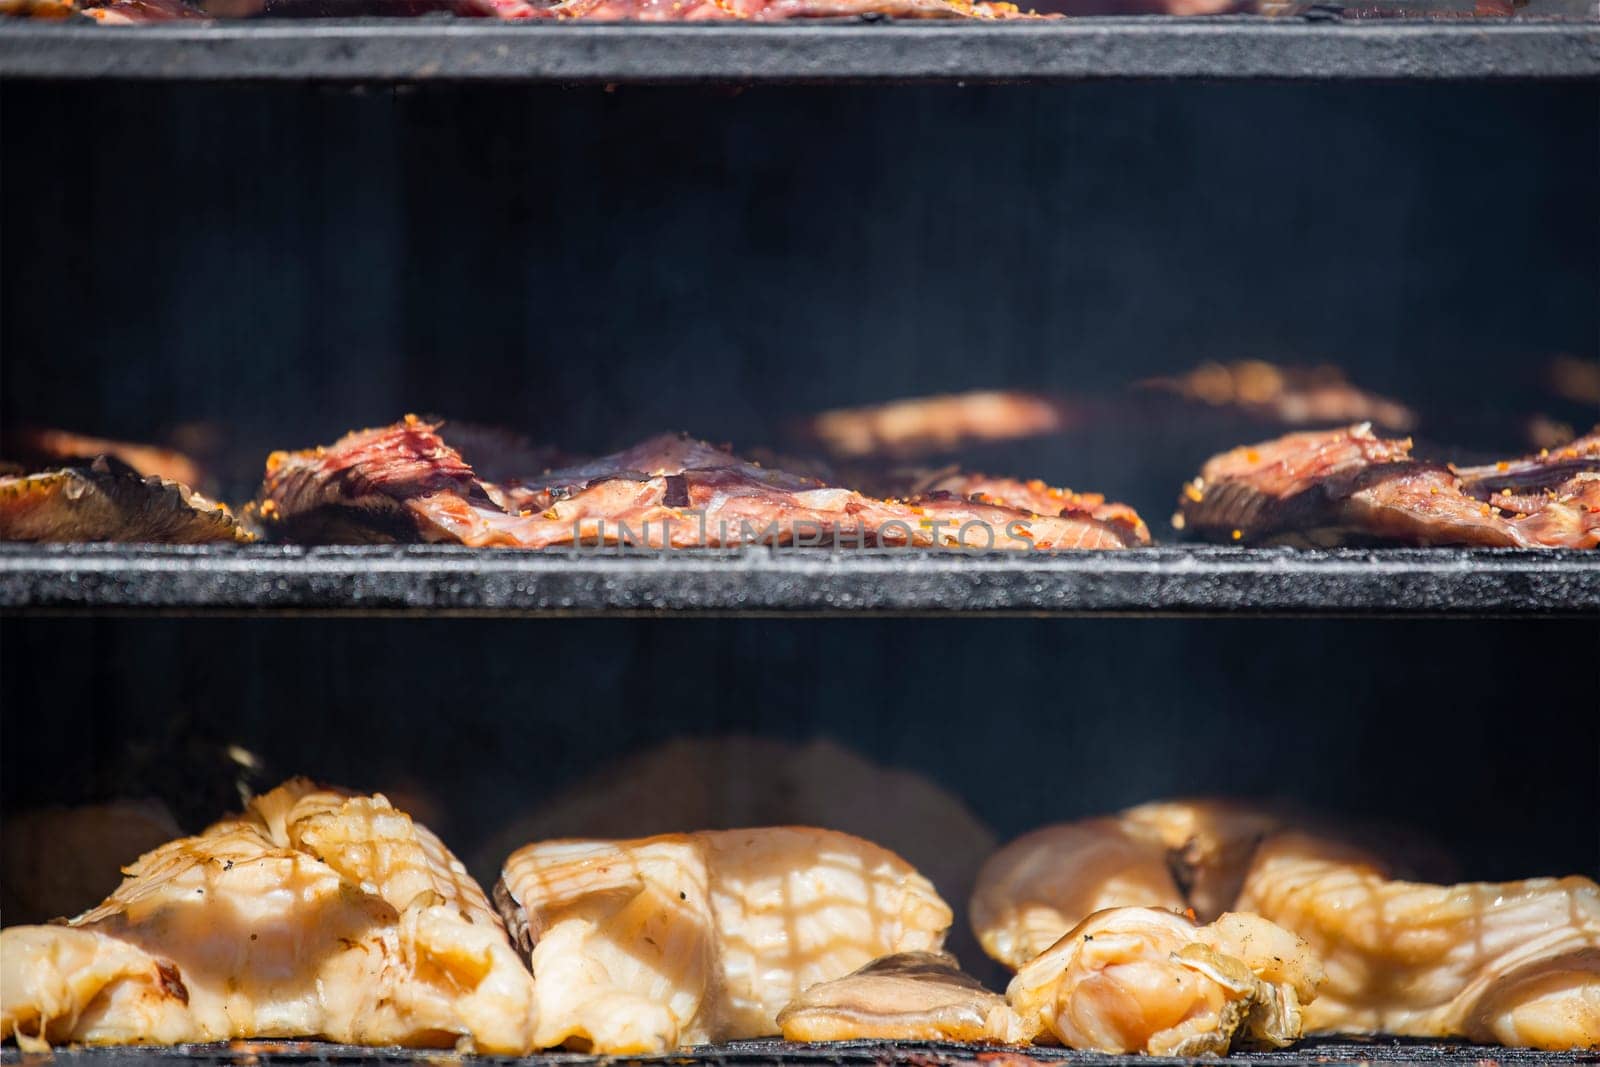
(420, 51)
(427, 580)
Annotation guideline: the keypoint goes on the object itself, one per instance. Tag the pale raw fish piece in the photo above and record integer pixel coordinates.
(312, 914)
(911, 996)
(683, 939)
(1151, 980)
(724, 782)
(1514, 963)
(1168, 854)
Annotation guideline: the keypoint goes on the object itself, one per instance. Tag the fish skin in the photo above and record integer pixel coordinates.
(909, 996)
(98, 503)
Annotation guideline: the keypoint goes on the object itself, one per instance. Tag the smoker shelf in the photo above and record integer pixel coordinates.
(434, 579)
(839, 1054)
(1241, 48)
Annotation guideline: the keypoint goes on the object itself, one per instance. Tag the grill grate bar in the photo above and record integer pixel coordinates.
(1319, 47)
(432, 579)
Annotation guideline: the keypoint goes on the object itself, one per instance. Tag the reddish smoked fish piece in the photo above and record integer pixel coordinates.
(1291, 396)
(405, 483)
(1337, 486)
(746, 10)
(919, 426)
(39, 448)
(1035, 496)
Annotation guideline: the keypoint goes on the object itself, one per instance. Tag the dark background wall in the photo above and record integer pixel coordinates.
(591, 266)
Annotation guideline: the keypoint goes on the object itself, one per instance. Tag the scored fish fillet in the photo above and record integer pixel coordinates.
(1515, 963)
(1151, 980)
(683, 939)
(725, 782)
(312, 914)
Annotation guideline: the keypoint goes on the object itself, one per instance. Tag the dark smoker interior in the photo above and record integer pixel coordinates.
(482, 724)
(587, 266)
(282, 264)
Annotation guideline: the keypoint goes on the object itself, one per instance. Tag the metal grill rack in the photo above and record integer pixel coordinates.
(1318, 45)
(452, 580)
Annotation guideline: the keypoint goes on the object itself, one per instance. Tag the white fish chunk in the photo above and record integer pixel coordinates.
(1150, 980)
(724, 782)
(683, 939)
(312, 914)
(1513, 963)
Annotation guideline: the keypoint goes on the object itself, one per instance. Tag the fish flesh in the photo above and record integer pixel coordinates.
(406, 483)
(682, 939)
(910, 996)
(1512, 963)
(106, 500)
(131, 12)
(1185, 855)
(1575, 379)
(314, 913)
(723, 782)
(39, 448)
(1333, 487)
(1168, 854)
(1032, 495)
(919, 426)
(1150, 980)
(1293, 396)
(745, 10)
